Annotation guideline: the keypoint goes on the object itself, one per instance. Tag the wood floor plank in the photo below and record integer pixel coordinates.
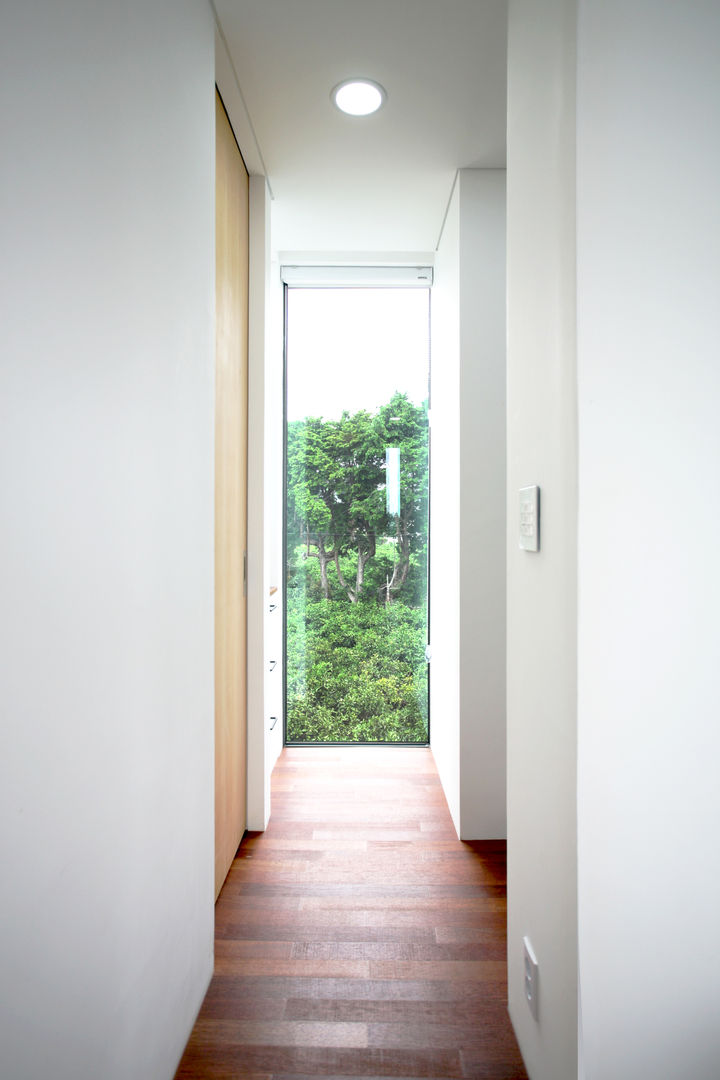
(493, 1017)
(323, 932)
(449, 935)
(223, 1005)
(438, 892)
(485, 898)
(213, 1032)
(429, 990)
(390, 950)
(228, 964)
(239, 1061)
(462, 1037)
(259, 949)
(476, 970)
(358, 938)
(303, 844)
(297, 1076)
(477, 1066)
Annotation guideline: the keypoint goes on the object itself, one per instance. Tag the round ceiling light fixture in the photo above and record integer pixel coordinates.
(358, 97)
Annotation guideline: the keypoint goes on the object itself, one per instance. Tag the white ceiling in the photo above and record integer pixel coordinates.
(379, 183)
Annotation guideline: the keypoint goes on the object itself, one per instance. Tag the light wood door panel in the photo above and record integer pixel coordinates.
(231, 300)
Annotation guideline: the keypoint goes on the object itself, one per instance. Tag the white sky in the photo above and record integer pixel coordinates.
(353, 348)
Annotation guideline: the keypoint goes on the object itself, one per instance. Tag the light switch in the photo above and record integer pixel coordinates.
(530, 518)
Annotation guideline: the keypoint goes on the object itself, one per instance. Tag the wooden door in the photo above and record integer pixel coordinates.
(231, 301)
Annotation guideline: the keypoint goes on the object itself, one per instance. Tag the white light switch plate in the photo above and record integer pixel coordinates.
(530, 518)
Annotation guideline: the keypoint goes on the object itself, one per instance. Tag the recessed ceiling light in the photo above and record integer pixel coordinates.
(358, 97)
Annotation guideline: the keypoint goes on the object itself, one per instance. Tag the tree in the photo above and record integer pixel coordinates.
(356, 671)
(312, 476)
(359, 497)
(336, 497)
(334, 501)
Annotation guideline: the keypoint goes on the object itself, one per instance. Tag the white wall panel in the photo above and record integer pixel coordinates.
(106, 620)
(649, 587)
(542, 586)
(467, 545)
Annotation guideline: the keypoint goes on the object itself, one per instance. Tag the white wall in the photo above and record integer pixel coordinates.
(482, 504)
(467, 586)
(106, 619)
(445, 510)
(274, 503)
(649, 387)
(542, 587)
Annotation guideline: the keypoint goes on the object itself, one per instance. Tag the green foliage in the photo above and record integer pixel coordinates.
(357, 578)
(356, 673)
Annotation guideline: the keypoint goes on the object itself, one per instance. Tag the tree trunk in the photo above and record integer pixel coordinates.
(324, 558)
(348, 589)
(325, 584)
(363, 556)
(366, 550)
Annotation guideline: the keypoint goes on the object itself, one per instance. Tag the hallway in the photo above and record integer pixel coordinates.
(357, 937)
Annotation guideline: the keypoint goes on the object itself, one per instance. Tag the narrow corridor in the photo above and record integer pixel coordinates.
(357, 937)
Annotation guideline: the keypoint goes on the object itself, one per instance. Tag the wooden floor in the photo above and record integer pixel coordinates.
(357, 937)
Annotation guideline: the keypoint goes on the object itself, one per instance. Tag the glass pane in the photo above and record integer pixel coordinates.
(357, 515)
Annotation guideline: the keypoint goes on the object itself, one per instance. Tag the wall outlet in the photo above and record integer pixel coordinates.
(531, 977)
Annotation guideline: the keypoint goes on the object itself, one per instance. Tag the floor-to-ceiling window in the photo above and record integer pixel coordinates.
(357, 503)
